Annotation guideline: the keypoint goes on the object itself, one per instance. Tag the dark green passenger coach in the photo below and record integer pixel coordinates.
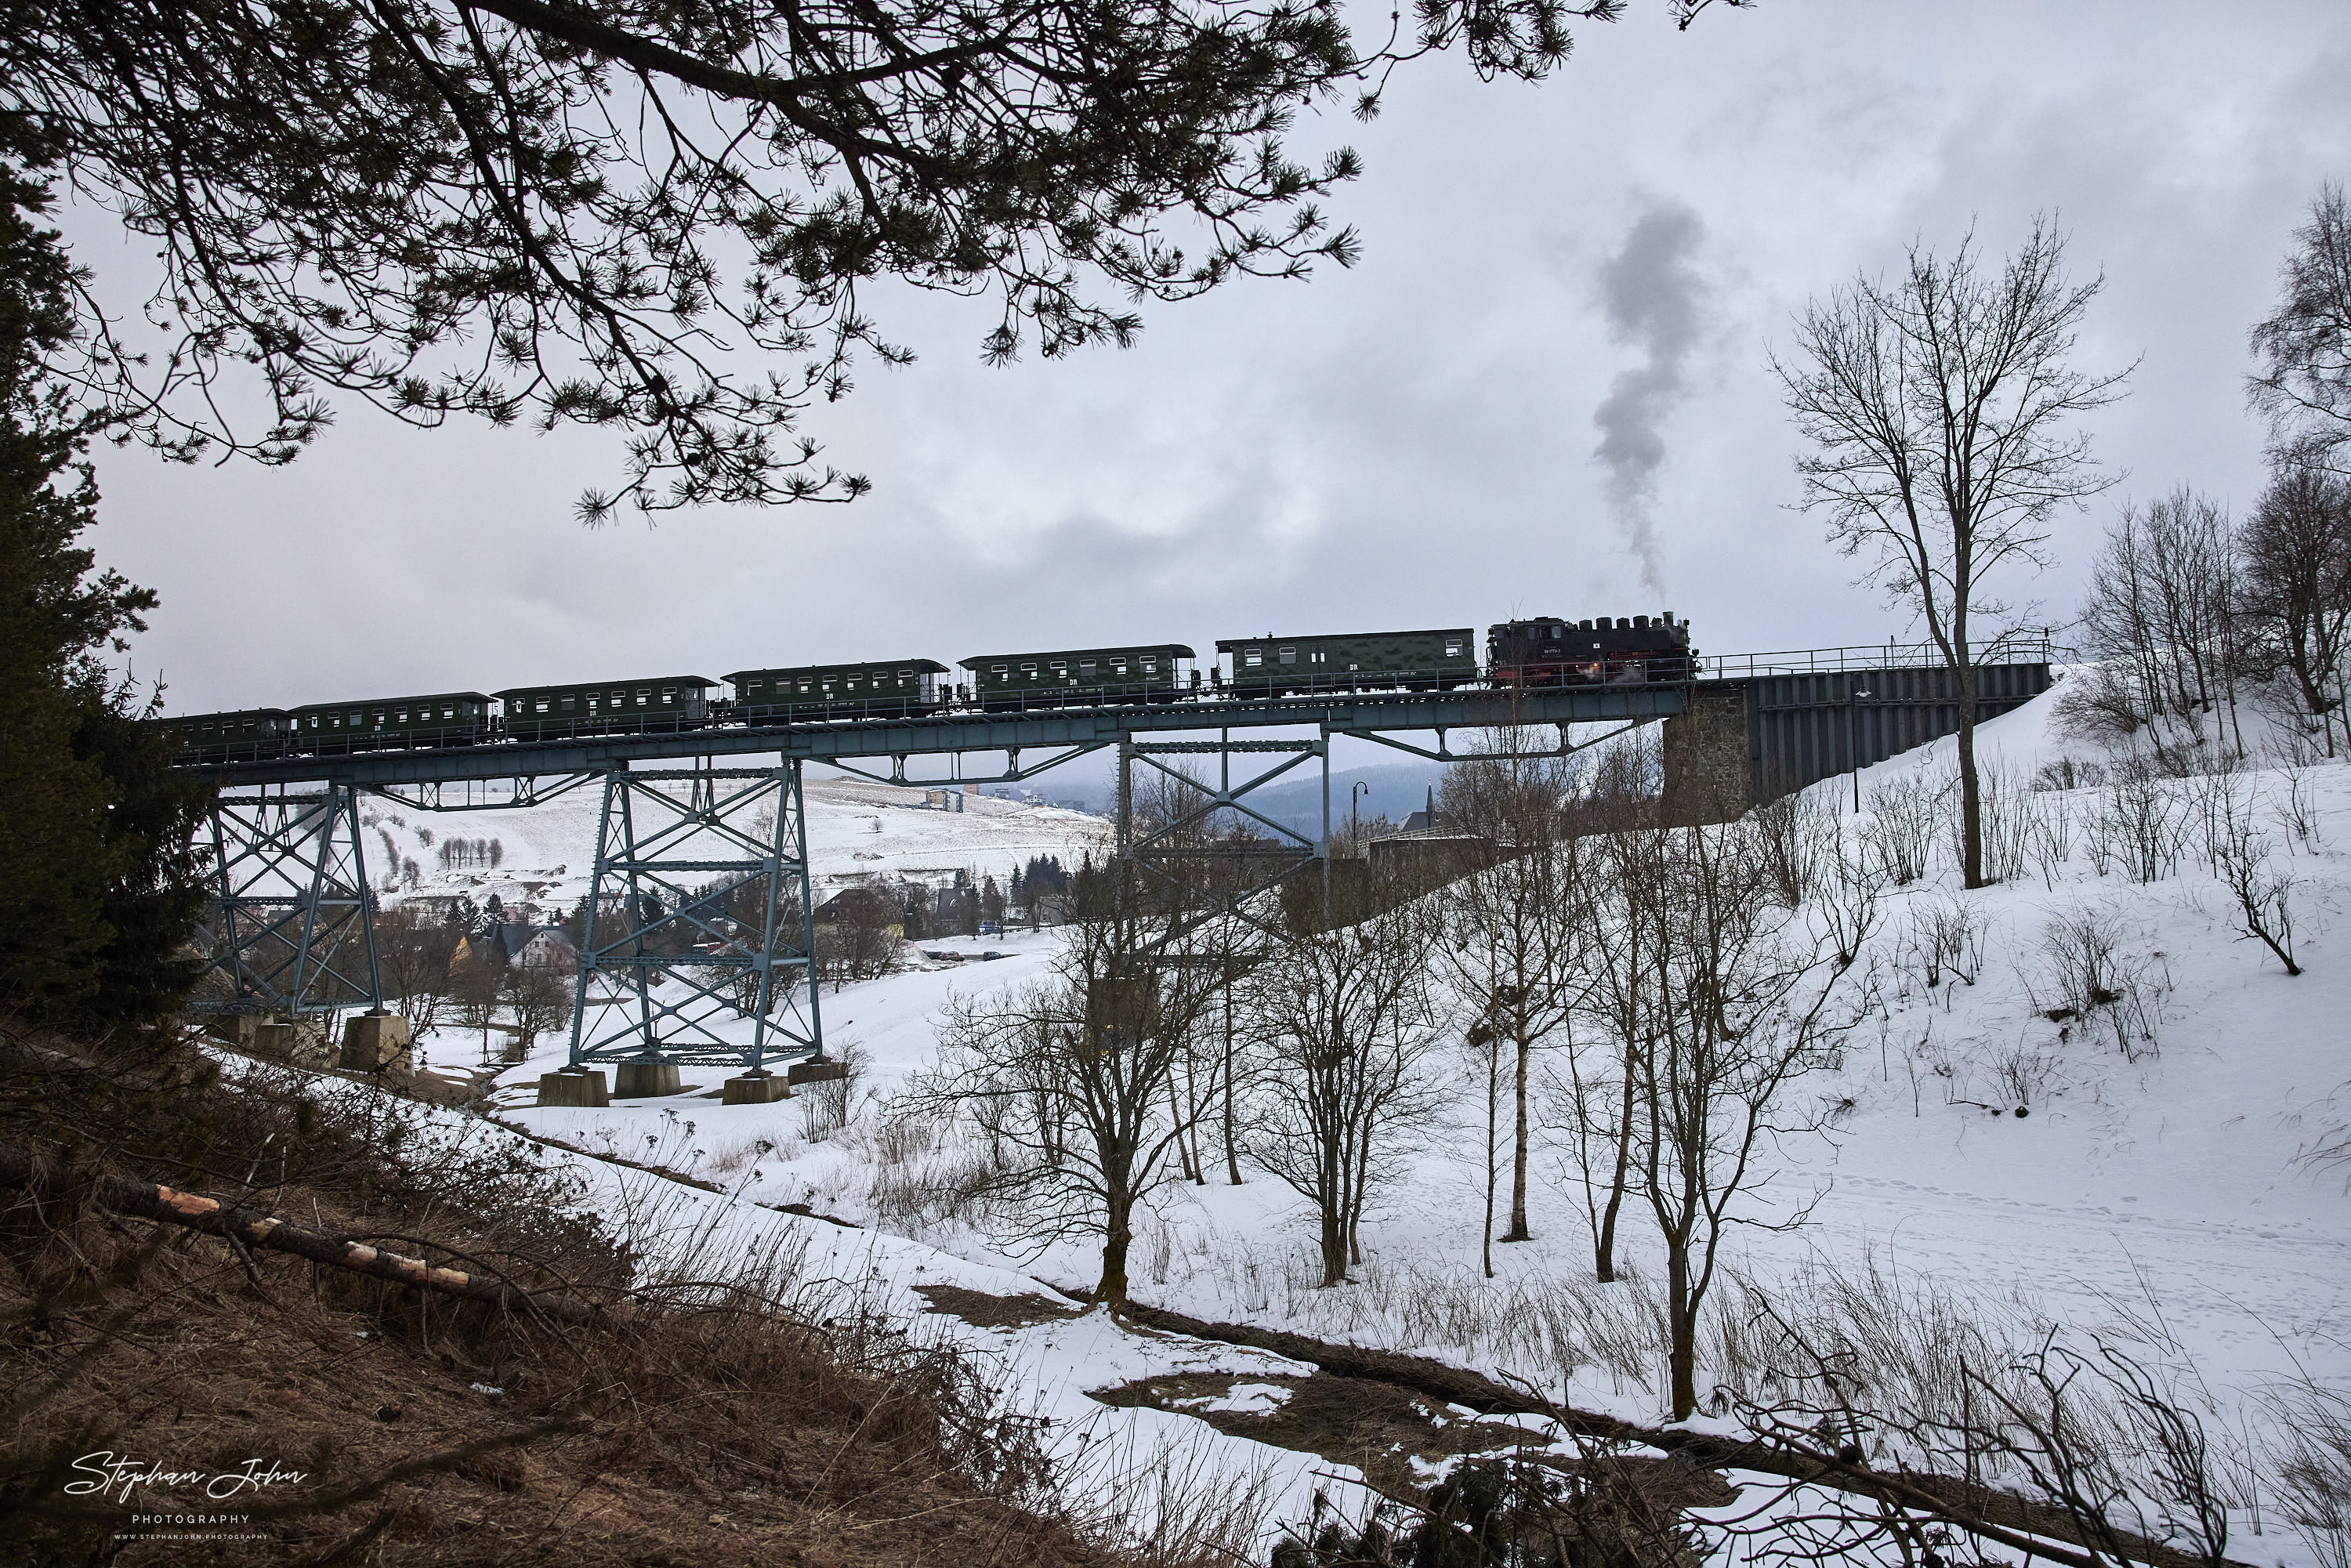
(811, 692)
(246, 734)
(1082, 678)
(1353, 660)
(658, 704)
(444, 719)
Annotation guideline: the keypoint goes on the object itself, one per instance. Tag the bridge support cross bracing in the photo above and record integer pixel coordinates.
(290, 924)
(698, 946)
(1176, 847)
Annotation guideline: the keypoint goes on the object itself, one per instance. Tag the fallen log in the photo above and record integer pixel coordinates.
(2023, 1524)
(117, 1194)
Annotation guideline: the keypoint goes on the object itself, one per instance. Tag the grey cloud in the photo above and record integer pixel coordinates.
(1385, 446)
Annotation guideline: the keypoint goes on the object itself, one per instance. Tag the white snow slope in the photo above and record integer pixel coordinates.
(547, 853)
(2163, 1193)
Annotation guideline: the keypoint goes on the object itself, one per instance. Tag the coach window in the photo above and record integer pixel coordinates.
(1256, 656)
(1289, 655)
(1452, 648)
(1029, 671)
(669, 696)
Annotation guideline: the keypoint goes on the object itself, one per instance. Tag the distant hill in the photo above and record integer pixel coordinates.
(1394, 789)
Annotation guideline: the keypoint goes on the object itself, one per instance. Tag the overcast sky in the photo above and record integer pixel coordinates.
(1543, 391)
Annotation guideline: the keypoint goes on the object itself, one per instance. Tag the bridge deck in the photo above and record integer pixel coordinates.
(953, 735)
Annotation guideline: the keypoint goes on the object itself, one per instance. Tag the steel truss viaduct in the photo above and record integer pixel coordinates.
(701, 910)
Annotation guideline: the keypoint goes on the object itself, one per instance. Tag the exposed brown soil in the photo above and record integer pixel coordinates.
(1667, 1483)
(418, 1428)
(981, 1310)
(1376, 1426)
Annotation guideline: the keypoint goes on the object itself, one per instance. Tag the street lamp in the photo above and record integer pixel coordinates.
(1355, 829)
(1852, 745)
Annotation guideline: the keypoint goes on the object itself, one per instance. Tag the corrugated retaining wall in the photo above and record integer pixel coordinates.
(1801, 728)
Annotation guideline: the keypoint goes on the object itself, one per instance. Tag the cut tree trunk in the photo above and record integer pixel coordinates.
(25, 1171)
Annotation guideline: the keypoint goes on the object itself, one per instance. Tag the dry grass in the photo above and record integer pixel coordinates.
(719, 1425)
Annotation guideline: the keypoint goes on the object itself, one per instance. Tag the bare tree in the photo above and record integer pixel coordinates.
(1618, 976)
(1487, 1048)
(1204, 867)
(414, 952)
(475, 984)
(1618, 813)
(2083, 1457)
(864, 939)
(1506, 936)
(1073, 1083)
(2240, 857)
(1342, 1021)
(538, 1000)
(1737, 1010)
(2297, 586)
(1940, 408)
(2162, 600)
(2303, 384)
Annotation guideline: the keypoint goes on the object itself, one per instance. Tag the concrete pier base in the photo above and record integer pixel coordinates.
(299, 1040)
(802, 1072)
(645, 1080)
(373, 1041)
(755, 1089)
(584, 1089)
(233, 1028)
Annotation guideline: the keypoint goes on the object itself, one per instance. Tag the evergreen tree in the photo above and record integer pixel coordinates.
(358, 198)
(100, 888)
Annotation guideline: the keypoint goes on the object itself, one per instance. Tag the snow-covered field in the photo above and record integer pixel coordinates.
(2164, 1195)
(546, 854)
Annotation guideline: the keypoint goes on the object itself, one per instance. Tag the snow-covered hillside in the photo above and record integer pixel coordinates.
(2149, 1178)
(545, 855)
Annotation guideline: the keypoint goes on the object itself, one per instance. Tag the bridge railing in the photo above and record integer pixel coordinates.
(2025, 647)
(2022, 647)
(1270, 693)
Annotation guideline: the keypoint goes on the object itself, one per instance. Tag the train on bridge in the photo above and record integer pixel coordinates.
(1545, 653)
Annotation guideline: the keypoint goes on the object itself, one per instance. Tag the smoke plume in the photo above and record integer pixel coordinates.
(1655, 301)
